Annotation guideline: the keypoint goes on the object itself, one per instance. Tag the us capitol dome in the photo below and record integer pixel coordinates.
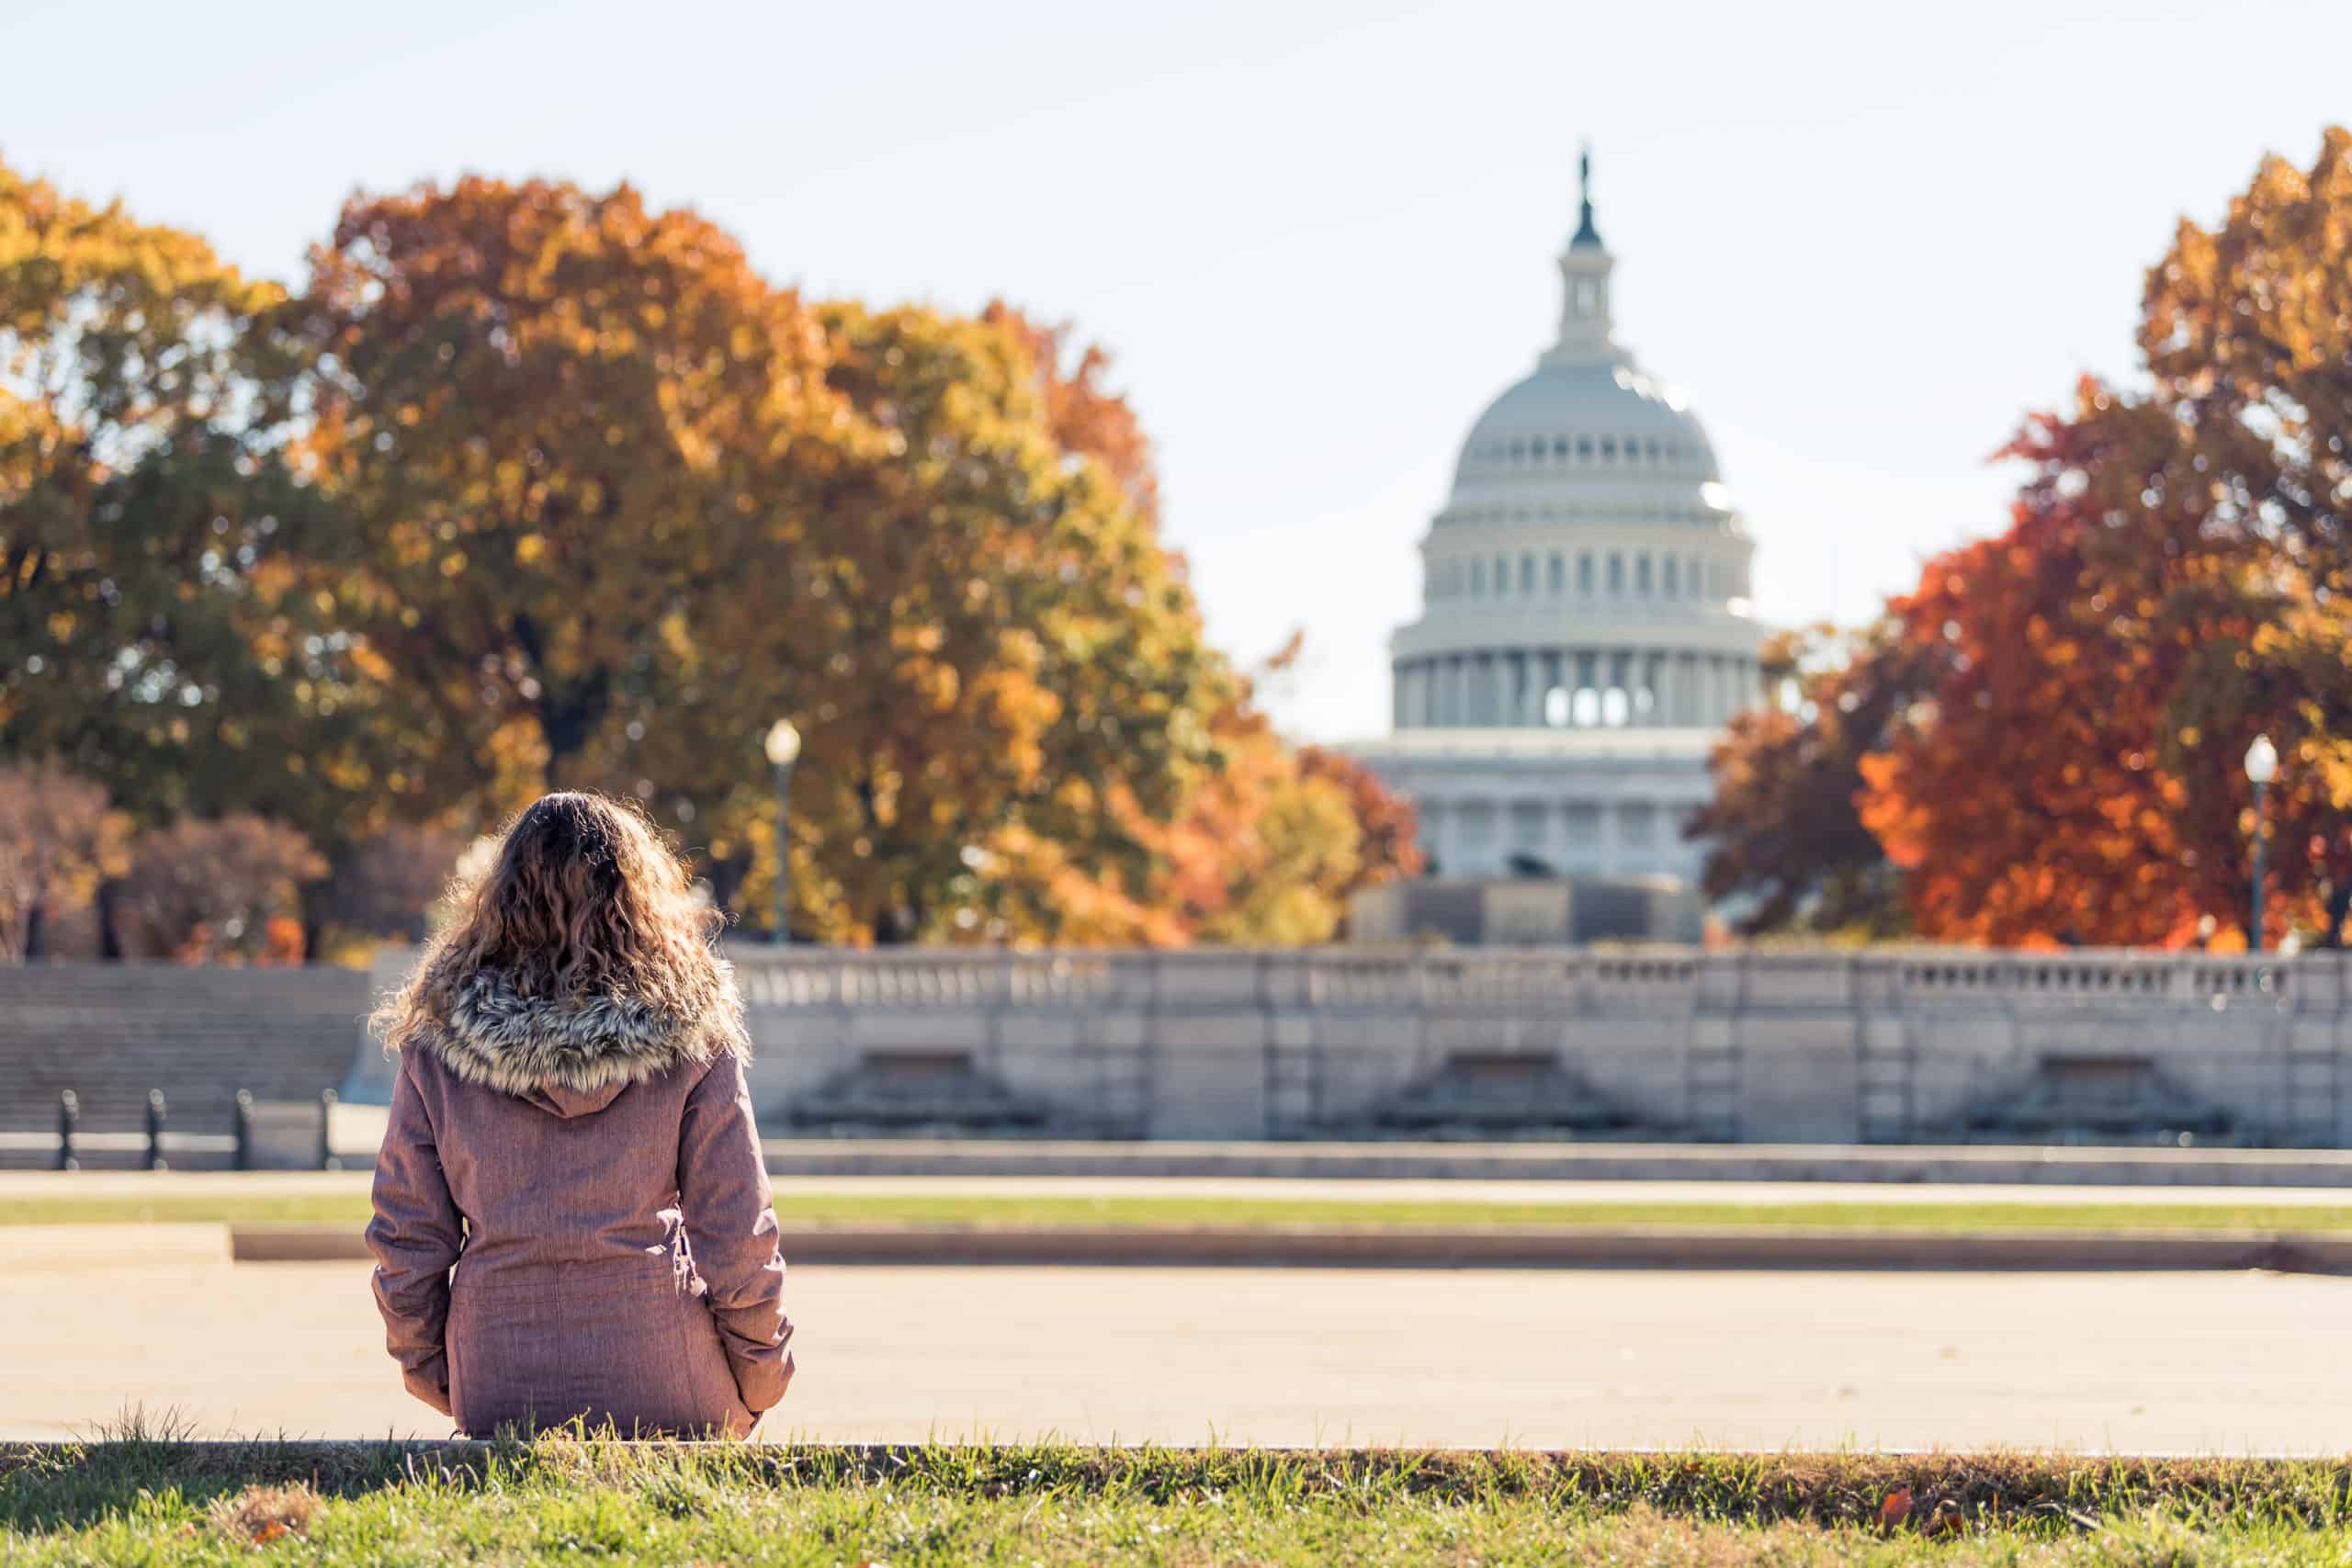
(1585, 631)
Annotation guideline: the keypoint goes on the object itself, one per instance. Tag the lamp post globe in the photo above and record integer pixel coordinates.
(782, 745)
(2261, 767)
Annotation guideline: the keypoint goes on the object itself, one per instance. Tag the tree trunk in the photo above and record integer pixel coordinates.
(109, 930)
(2339, 913)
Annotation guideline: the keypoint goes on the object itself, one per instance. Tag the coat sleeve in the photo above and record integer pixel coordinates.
(730, 1228)
(416, 1237)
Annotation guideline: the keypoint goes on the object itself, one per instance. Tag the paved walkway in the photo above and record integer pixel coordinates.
(24, 1185)
(2208, 1362)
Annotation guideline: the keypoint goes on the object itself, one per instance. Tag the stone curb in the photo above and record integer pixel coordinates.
(1927, 1165)
(1401, 1246)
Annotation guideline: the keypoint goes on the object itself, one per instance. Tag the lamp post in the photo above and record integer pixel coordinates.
(2261, 766)
(782, 747)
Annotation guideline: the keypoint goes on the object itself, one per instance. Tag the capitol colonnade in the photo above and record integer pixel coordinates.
(1575, 688)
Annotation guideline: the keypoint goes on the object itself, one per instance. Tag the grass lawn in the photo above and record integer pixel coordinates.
(987, 1211)
(148, 1499)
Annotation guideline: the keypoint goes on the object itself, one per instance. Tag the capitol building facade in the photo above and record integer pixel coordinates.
(1585, 631)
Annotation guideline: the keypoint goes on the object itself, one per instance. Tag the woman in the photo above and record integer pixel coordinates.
(570, 1092)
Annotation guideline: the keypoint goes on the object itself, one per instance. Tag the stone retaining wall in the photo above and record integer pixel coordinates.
(112, 1032)
(1884, 1046)
(1893, 1046)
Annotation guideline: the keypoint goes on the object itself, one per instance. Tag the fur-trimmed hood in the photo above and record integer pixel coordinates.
(536, 1047)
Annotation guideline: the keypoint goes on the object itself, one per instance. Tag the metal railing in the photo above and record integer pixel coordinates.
(158, 1142)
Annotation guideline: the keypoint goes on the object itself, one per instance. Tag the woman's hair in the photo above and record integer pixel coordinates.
(584, 899)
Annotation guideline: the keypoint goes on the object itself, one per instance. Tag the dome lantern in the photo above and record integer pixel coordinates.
(1588, 335)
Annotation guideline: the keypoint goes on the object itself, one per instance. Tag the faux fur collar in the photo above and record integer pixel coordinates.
(513, 1043)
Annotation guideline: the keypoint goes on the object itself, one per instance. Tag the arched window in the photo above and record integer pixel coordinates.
(1556, 577)
(1673, 586)
(1642, 574)
(1616, 575)
(1527, 576)
(1608, 447)
(1560, 446)
(1584, 448)
(1502, 576)
(1584, 574)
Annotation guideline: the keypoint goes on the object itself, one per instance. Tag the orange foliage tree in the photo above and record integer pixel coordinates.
(2067, 766)
(1786, 848)
(551, 418)
(2027, 793)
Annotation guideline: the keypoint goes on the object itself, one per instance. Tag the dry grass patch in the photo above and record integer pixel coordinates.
(259, 1515)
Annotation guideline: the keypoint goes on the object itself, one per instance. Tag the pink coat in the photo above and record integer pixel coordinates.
(572, 1219)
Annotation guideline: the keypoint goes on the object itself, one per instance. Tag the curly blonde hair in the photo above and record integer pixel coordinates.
(585, 902)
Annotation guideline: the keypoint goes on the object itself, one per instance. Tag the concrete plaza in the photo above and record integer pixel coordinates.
(101, 1318)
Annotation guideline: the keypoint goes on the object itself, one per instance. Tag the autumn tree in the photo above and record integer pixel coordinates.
(60, 839)
(150, 635)
(2246, 330)
(2026, 794)
(2165, 593)
(223, 889)
(1084, 415)
(554, 419)
(1785, 844)
(2065, 765)
(997, 669)
(2247, 333)
(1389, 831)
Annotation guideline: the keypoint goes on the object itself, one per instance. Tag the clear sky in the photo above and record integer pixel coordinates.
(1865, 238)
